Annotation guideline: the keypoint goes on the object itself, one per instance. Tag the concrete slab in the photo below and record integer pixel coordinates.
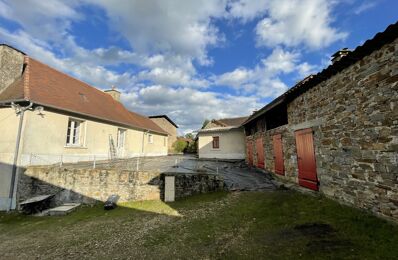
(63, 210)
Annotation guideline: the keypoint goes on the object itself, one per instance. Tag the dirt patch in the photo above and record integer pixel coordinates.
(315, 229)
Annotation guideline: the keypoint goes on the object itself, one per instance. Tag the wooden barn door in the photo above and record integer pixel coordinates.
(249, 150)
(278, 154)
(306, 159)
(260, 152)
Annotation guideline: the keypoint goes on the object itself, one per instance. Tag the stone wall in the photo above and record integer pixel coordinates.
(92, 185)
(354, 118)
(11, 64)
(169, 128)
(191, 184)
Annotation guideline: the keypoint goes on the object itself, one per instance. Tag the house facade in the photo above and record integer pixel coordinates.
(169, 126)
(49, 117)
(222, 139)
(336, 132)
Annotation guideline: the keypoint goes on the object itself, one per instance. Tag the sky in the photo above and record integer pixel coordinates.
(191, 59)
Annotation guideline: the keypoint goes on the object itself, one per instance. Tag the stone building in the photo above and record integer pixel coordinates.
(169, 126)
(222, 139)
(336, 132)
(49, 117)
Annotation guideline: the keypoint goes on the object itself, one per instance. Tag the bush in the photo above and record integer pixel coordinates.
(179, 146)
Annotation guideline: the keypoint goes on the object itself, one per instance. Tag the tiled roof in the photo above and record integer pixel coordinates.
(236, 121)
(48, 87)
(378, 41)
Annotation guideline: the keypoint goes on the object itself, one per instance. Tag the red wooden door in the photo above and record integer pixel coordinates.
(278, 154)
(249, 149)
(260, 152)
(306, 159)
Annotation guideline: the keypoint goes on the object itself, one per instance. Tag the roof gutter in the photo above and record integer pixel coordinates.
(105, 119)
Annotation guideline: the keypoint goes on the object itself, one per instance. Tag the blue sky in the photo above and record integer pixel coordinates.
(192, 60)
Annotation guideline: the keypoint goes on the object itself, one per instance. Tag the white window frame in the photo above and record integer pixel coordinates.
(75, 133)
(150, 138)
(121, 137)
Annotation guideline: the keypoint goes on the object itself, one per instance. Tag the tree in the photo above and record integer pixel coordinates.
(205, 123)
(179, 146)
(190, 136)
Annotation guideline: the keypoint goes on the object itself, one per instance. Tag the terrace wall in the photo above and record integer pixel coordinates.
(92, 185)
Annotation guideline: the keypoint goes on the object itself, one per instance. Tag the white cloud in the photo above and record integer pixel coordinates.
(179, 27)
(264, 80)
(47, 20)
(85, 70)
(291, 22)
(365, 6)
(191, 107)
(235, 78)
(247, 9)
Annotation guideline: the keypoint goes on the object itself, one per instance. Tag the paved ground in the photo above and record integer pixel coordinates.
(237, 175)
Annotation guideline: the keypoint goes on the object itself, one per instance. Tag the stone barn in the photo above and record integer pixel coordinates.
(336, 132)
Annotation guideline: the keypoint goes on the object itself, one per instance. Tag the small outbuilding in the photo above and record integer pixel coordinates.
(222, 139)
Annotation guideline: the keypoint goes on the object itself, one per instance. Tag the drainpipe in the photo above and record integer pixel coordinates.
(143, 141)
(21, 111)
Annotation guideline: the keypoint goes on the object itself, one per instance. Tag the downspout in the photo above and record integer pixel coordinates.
(143, 141)
(21, 111)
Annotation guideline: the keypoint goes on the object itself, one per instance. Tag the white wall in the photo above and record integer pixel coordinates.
(232, 144)
(8, 133)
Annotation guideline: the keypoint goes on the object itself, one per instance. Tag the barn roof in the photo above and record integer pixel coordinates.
(371, 45)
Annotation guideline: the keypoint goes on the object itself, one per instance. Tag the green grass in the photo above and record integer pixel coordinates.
(250, 225)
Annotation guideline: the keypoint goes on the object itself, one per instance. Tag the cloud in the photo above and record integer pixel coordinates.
(47, 20)
(179, 27)
(363, 7)
(247, 10)
(190, 106)
(290, 23)
(167, 43)
(264, 79)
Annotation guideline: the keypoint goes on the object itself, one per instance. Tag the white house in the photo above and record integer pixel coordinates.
(222, 139)
(47, 116)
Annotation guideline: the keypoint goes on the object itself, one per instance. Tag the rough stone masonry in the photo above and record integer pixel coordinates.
(93, 185)
(354, 118)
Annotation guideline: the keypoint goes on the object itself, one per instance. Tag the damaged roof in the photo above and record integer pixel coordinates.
(378, 41)
(43, 85)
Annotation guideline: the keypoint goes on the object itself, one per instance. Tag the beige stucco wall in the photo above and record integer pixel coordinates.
(9, 128)
(52, 145)
(169, 128)
(232, 145)
(43, 142)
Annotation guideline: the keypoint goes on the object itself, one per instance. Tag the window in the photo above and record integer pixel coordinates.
(121, 136)
(74, 133)
(216, 142)
(150, 139)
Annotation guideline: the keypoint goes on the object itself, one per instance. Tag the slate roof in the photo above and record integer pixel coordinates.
(43, 85)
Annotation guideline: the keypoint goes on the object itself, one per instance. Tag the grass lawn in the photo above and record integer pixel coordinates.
(248, 225)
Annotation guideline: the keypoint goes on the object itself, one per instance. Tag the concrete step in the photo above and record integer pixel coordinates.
(63, 210)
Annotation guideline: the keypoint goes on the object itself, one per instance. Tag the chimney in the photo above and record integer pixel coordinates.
(11, 65)
(114, 93)
(340, 54)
